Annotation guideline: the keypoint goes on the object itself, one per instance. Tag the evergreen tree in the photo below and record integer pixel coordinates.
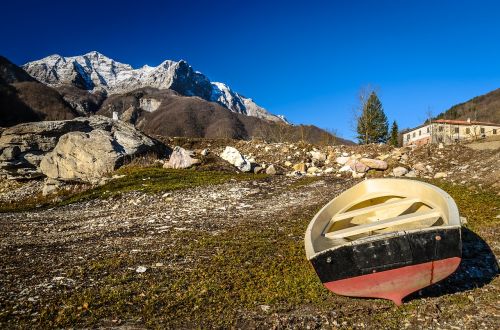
(372, 123)
(394, 134)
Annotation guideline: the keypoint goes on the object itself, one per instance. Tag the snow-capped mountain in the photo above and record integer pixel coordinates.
(94, 71)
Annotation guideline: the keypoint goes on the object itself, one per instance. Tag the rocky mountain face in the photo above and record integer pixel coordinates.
(95, 72)
(24, 99)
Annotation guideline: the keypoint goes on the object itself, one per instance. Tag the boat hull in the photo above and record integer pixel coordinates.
(391, 267)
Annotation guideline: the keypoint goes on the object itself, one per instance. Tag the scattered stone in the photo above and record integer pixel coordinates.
(345, 168)
(288, 163)
(357, 166)
(318, 156)
(420, 167)
(329, 170)
(141, 269)
(399, 171)
(181, 158)
(374, 163)
(271, 170)
(300, 167)
(233, 156)
(204, 152)
(440, 175)
(10, 153)
(357, 175)
(411, 174)
(342, 160)
(265, 308)
(313, 170)
(50, 186)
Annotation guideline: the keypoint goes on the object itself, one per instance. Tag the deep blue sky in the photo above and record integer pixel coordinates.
(305, 59)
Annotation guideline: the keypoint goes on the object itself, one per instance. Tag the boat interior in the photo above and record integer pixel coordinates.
(376, 207)
(380, 213)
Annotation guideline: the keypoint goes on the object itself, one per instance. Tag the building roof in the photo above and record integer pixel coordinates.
(463, 122)
(453, 122)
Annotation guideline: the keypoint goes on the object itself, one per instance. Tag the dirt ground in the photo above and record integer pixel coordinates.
(224, 255)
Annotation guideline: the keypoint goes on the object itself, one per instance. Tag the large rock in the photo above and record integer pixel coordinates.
(80, 156)
(374, 163)
(357, 166)
(90, 147)
(233, 156)
(181, 158)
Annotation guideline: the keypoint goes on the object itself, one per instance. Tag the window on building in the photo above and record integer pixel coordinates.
(419, 132)
(428, 129)
(408, 137)
(456, 130)
(467, 130)
(495, 131)
(413, 134)
(482, 130)
(441, 128)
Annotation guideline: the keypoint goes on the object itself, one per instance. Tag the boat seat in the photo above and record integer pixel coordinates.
(377, 207)
(381, 224)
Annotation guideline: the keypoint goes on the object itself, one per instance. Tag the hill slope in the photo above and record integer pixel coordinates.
(481, 108)
(177, 115)
(23, 99)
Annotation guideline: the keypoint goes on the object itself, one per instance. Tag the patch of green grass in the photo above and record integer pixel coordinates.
(304, 181)
(156, 179)
(144, 179)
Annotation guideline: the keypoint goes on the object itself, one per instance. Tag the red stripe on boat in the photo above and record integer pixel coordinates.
(395, 284)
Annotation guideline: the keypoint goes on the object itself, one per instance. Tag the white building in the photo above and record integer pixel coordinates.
(450, 131)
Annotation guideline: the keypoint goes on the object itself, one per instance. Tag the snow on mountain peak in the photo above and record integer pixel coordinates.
(95, 71)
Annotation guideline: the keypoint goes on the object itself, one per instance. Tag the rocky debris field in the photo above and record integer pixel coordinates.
(229, 253)
(455, 163)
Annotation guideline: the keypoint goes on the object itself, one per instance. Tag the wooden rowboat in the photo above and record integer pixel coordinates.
(385, 238)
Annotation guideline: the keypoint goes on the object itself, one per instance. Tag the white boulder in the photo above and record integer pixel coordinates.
(234, 157)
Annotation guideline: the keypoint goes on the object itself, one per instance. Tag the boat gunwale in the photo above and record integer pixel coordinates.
(452, 208)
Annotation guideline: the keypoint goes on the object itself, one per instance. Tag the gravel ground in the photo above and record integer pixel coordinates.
(41, 249)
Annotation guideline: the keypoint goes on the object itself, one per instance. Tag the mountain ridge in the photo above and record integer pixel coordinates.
(96, 72)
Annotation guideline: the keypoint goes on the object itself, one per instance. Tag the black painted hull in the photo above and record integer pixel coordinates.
(391, 266)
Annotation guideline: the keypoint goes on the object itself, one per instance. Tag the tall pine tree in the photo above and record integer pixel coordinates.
(372, 123)
(393, 140)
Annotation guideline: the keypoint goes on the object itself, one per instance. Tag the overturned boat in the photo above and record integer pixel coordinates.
(385, 238)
